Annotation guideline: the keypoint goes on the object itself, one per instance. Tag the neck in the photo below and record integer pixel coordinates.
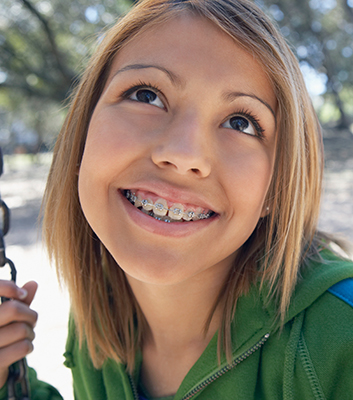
(176, 316)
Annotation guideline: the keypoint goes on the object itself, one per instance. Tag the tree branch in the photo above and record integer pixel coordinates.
(348, 9)
(33, 92)
(51, 38)
(22, 67)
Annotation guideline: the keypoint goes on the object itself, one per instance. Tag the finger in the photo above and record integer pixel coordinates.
(4, 373)
(15, 332)
(16, 311)
(15, 352)
(10, 290)
(31, 289)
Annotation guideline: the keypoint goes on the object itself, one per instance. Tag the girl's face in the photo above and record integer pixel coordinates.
(186, 121)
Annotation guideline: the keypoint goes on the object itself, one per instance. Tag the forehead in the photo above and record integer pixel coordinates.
(196, 48)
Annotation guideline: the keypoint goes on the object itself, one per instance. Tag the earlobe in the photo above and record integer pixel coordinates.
(265, 211)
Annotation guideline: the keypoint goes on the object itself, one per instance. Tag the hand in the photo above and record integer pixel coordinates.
(17, 322)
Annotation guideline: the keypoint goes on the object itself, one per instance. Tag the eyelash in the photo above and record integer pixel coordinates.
(253, 119)
(141, 85)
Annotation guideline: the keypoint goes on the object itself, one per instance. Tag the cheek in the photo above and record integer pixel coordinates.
(116, 128)
(109, 137)
(87, 187)
(113, 143)
(248, 175)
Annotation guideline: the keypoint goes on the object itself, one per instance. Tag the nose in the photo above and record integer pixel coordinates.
(183, 147)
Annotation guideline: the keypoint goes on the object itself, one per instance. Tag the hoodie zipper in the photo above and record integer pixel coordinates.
(227, 368)
(133, 388)
(216, 375)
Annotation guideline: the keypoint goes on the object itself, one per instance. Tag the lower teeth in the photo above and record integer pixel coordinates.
(158, 217)
(162, 218)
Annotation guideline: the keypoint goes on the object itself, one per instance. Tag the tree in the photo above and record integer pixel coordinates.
(43, 46)
(321, 33)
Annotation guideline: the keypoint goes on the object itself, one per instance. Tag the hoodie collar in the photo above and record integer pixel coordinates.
(255, 316)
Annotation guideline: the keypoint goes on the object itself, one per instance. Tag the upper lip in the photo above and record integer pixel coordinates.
(173, 194)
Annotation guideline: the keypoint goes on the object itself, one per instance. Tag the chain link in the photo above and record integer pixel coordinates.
(17, 371)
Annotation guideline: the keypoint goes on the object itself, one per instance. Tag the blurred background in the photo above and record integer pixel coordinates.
(44, 46)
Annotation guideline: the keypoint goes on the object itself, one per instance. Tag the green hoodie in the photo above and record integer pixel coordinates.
(310, 358)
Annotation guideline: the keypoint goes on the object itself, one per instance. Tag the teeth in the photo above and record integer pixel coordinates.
(138, 201)
(159, 210)
(197, 214)
(176, 212)
(147, 204)
(188, 214)
(160, 207)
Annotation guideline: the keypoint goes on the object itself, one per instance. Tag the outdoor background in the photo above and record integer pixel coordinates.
(44, 44)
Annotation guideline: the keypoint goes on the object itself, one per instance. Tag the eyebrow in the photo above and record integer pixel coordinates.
(177, 81)
(174, 78)
(235, 95)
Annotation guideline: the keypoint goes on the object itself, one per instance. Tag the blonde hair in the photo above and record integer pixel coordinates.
(106, 313)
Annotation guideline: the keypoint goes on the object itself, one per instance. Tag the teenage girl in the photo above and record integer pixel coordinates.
(181, 211)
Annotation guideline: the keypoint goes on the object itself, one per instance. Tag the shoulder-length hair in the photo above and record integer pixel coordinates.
(106, 313)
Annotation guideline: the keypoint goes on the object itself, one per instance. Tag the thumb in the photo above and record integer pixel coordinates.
(31, 289)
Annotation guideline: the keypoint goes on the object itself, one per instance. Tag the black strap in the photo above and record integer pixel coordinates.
(17, 371)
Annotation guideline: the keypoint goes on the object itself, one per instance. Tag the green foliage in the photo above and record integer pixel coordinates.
(44, 45)
(321, 34)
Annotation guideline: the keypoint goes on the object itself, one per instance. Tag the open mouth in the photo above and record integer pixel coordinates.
(160, 210)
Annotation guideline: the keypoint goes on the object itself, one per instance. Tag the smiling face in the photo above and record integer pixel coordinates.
(185, 128)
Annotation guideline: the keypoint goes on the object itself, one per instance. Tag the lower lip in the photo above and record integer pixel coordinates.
(172, 229)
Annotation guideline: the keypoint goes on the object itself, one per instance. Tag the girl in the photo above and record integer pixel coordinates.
(181, 210)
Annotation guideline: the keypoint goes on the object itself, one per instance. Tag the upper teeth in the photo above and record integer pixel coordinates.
(160, 209)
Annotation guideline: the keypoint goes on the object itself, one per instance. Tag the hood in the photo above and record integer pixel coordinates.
(255, 317)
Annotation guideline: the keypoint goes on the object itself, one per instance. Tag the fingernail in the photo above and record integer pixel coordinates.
(22, 293)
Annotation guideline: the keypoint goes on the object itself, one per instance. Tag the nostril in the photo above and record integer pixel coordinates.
(182, 163)
(166, 163)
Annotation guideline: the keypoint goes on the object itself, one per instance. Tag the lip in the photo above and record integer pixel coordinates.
(174, 195)
(173, 229)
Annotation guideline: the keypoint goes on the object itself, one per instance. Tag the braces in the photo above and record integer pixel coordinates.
(176, 211)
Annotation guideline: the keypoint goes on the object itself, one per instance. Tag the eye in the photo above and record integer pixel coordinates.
(242, 124)
(147, 96)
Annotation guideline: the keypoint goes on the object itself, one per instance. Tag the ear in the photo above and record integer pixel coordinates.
(265, 210)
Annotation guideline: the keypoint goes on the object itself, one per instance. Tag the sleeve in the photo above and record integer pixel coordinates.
(326, 353)
(39, 390)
